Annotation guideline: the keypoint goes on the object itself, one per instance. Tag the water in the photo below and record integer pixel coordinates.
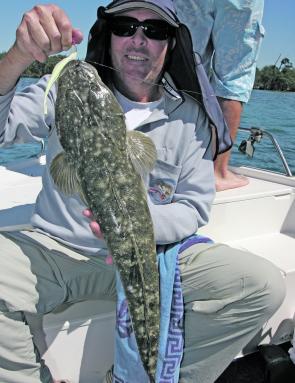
(20, 151)
(271, 111)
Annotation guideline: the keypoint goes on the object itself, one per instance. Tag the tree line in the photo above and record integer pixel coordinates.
(270, 77)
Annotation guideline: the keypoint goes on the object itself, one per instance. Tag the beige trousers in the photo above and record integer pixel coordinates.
(228, 295)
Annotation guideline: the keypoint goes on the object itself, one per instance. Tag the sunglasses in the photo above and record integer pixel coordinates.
(124, 26)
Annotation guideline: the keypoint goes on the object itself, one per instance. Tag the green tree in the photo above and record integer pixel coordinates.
(273, 78)
(288, 73)
(285, 63)
(37, 69)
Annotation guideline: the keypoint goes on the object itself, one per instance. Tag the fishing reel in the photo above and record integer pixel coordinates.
(247, 146)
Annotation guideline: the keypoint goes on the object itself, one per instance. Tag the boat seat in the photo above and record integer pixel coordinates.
(260, 218)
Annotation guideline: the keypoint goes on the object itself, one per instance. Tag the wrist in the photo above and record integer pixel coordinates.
(17, 58)
(12, 66)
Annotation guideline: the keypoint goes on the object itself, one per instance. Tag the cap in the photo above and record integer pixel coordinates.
(163, 8)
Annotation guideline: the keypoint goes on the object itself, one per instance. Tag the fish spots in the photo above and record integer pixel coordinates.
(91, 127)
(98, 148)
(117, 224)
(121, 180)
(106, 192)
(141, 330)
(130, 289)
(76, 121)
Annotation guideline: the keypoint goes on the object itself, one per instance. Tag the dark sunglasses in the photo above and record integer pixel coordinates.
(124, 26)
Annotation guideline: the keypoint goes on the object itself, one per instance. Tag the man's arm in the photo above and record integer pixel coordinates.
(43, 31)
(232, 111)
(193, 197)
(11, 67)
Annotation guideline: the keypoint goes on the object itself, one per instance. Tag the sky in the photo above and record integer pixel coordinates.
(278, 21)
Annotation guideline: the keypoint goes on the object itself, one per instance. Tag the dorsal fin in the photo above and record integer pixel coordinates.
(142, 151)
(56, 73)
(65, 176)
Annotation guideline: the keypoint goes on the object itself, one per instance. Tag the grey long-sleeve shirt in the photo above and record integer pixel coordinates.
(180, 188)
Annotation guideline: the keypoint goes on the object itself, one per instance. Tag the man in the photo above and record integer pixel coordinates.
(227, 35)
(60, 260)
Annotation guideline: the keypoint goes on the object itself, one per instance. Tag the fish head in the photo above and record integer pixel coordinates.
(88, 116)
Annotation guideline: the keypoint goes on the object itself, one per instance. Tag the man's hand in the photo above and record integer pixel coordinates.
(45, 30)
(95, 228)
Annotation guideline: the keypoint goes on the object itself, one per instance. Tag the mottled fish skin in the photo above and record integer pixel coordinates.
(91, 128)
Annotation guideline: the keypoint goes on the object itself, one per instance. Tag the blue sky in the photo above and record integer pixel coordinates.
(278, 21)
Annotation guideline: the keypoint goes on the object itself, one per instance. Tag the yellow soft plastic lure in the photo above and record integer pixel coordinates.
(56, 73)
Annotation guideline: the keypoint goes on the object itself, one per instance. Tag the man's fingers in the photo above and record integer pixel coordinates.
(38, 34)
(26, 44)
(94, 226)
(109, 259)
(64, 27)
(87, 213)
(77, 36)
(56, 26)
(46, 30)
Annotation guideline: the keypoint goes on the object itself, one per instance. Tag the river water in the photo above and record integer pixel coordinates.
(274, 112)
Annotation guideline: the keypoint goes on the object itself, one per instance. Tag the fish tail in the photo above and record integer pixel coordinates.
(149, 355)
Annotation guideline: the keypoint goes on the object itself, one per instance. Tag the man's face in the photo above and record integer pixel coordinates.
(138, 57)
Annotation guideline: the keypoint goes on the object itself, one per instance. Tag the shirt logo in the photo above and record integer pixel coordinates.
(161, 191)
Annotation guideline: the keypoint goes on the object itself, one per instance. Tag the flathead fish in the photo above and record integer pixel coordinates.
(102, 161)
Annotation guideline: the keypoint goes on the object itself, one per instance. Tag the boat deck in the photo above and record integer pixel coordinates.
(258, 217)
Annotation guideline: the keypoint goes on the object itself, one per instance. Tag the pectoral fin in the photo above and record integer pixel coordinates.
(65, 176)
(141, 151)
